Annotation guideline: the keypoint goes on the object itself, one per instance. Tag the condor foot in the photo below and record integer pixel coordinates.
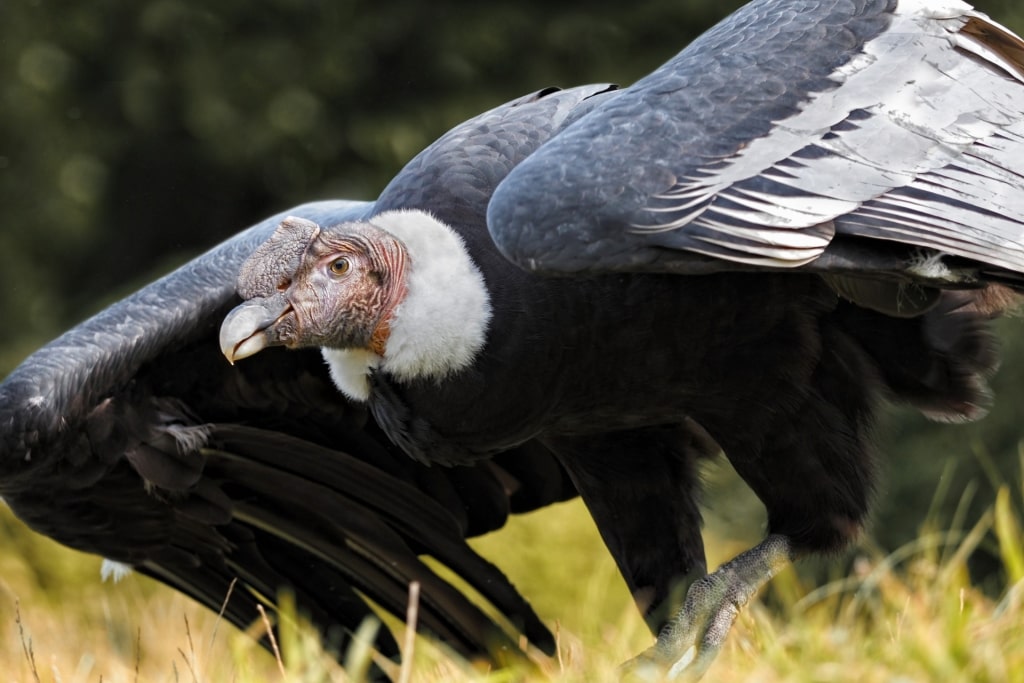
(690, 642)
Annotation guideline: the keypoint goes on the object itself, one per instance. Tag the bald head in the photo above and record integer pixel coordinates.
(310, 286)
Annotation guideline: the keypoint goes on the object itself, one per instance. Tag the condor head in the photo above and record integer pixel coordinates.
(399, 292)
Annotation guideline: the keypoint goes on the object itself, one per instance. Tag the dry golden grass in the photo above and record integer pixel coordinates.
(910, 616)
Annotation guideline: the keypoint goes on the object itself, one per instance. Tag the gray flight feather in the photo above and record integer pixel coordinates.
(788, 125)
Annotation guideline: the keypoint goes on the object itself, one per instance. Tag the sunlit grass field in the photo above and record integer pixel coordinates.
(913, 615)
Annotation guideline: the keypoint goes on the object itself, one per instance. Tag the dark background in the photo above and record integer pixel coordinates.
(133, 135)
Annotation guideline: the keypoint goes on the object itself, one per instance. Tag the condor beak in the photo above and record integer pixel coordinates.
(249, 327)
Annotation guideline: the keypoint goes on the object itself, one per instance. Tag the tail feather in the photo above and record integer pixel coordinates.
(940, 361)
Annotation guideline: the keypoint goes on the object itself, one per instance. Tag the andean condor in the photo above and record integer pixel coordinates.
(131, 437)
(817, 205)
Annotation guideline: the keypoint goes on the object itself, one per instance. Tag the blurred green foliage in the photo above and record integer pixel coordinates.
(134, 135)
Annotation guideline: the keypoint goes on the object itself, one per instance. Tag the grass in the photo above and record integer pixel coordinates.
(913, 615)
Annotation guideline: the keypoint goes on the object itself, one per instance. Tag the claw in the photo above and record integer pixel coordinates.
(690, 642)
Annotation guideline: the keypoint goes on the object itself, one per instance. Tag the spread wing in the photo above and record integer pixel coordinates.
(788, 132)
(131, 437)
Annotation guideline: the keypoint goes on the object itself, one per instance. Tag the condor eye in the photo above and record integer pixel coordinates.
(339, 266)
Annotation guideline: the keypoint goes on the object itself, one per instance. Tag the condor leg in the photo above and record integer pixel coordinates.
(640, 487)
(809, 460)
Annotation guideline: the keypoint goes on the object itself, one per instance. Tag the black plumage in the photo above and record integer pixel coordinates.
(751, 248)
(131, 437)
(825, 205)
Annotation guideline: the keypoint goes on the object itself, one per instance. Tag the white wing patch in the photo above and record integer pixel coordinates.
(921, 142)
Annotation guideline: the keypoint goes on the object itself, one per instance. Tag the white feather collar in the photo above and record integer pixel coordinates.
(440, 325)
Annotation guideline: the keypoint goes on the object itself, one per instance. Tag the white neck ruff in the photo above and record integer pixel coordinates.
(440, 325)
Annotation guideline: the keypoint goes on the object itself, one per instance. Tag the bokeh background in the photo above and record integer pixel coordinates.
(134, 135)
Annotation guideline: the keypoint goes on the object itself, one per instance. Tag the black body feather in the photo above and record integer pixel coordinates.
(129, 437)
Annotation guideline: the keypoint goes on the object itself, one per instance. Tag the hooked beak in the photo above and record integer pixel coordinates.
(249, 327)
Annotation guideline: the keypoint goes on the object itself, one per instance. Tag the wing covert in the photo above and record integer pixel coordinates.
(789, 124)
